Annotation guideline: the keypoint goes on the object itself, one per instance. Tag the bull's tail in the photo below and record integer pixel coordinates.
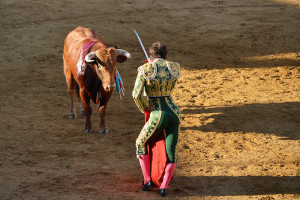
(77, 92)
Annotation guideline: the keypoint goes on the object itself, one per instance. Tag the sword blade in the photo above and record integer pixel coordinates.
(145, 52)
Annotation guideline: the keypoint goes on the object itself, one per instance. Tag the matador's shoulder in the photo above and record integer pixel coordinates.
(148, 70)
(174, 69)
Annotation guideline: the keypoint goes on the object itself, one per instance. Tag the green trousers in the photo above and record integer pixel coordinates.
(165, 116)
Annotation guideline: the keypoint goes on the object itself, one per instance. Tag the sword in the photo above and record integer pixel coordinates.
(145, 52)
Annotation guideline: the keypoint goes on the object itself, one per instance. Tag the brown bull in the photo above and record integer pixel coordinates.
(90, 66)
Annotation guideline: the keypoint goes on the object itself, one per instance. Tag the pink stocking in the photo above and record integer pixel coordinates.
(169, 170)
(145, 165)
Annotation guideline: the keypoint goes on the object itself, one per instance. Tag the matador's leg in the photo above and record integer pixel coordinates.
(150, 130)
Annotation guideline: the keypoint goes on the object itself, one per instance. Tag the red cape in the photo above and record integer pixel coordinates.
(158, 156)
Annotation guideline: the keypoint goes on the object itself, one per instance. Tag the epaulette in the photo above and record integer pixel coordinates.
(148, 71)
(174, 69)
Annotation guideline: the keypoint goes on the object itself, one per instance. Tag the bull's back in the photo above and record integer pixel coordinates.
(74, 43)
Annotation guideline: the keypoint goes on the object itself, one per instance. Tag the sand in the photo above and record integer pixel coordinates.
(239, 96)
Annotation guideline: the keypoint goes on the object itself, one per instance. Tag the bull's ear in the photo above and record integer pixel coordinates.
(121, 59)
(122, 55)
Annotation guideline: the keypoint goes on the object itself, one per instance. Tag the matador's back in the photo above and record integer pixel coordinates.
(157, 79)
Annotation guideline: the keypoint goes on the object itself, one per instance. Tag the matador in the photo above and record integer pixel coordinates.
(157, 81)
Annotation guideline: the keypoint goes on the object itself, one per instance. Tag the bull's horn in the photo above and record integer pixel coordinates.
(91, 57)
(123, 53)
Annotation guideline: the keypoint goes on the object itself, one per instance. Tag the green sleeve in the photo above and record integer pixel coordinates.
(138, 90)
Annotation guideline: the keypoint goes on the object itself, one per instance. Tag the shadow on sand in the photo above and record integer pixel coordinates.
(282, 119)
(235, 186)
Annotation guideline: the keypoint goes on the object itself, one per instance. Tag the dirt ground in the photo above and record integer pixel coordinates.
(239, 97)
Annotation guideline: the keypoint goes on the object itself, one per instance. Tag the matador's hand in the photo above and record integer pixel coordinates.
(147, 114)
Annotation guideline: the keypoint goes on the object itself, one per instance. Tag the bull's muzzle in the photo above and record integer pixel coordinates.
(109, 88)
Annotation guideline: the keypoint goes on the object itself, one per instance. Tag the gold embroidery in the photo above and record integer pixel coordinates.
(147, 131)
(137, 92)
(174, 69)
(157, 79)
(173, 108)
(149, 71)
(161, 77)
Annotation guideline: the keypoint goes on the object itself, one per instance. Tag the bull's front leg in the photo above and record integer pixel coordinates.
(102, 112)
(87, 111)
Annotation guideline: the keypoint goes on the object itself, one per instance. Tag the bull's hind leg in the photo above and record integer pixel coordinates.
(87, 111)
(102, 111)
(71, 88)
(82, 109)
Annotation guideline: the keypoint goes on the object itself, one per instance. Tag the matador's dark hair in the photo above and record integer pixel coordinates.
(158, 50)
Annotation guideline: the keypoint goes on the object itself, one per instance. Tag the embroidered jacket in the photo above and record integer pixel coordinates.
(157, 79)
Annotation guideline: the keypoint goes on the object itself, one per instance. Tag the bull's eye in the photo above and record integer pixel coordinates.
(100, 67)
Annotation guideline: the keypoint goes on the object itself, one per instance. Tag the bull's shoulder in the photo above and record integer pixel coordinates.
(82, 35)
(148, 71)
(83, 30)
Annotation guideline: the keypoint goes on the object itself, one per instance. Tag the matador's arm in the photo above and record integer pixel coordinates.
(138, 90)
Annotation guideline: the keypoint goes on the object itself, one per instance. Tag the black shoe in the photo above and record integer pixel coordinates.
(162, 192)
(148, 186)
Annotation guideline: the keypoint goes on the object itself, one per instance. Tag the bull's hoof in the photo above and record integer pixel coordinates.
(72, 116)
(87, 130)
(102, 132)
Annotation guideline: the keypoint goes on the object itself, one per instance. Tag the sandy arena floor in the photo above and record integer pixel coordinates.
(239, 96)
